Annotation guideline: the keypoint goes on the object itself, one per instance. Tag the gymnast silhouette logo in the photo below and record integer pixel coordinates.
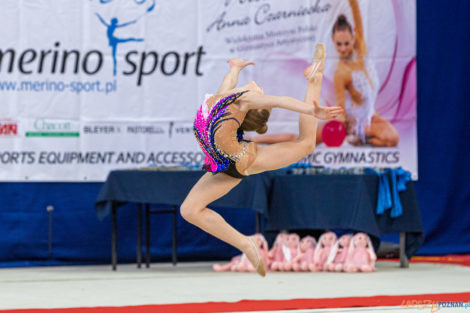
(114, 24)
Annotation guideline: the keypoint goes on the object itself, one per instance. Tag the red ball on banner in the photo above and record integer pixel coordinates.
(333, 133)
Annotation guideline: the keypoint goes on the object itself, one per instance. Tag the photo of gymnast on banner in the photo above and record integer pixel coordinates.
(370, 72)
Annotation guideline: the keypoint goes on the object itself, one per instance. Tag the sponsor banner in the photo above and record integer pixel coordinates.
(8, 128)
(111, 84)
(97, 147)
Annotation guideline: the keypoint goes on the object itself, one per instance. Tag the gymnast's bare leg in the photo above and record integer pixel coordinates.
(279, 155)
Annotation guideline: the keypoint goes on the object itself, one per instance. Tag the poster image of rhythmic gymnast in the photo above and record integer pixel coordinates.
(376, 90)
(356, 74)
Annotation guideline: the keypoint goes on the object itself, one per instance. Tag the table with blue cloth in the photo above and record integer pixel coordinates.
(346, 202)
(287, 201)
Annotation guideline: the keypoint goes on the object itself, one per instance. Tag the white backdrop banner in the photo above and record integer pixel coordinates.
(90, 86)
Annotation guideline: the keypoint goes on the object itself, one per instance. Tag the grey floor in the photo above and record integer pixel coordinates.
(90, 286)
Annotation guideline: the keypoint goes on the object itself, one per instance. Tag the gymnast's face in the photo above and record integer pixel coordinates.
(344, 43)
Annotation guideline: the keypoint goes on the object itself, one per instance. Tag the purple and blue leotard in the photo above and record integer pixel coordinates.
(206, 124)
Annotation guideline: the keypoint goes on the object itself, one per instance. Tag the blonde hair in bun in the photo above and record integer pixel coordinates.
(255, 120)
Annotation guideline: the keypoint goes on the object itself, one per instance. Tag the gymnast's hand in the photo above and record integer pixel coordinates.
(239, 63)
(326, 113)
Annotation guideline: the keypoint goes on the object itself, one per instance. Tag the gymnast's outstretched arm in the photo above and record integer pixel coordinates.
(126, 24)
(360, 44)
(340, 91)
(102, 20)
(252, 100)
(230, 80)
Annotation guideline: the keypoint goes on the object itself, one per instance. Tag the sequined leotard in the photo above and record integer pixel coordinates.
(364, 90)
(217, 130)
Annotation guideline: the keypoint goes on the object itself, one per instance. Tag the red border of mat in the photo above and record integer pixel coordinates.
(456, 259)
(260, 305)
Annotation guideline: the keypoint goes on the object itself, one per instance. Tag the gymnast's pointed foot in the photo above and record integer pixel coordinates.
(239, 63)
(252, 253)
(315, 71)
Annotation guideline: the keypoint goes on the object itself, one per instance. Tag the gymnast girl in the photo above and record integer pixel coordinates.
(356, 74)
(219, 126)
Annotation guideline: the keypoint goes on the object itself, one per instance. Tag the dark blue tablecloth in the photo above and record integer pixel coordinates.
(171, 188)
(340, 202)
(287, 201)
